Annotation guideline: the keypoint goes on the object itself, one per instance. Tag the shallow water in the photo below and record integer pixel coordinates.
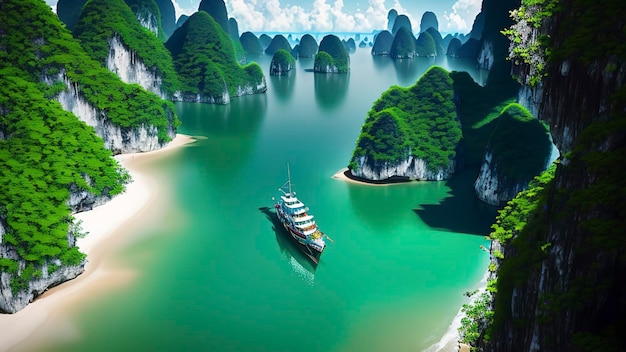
(217, 274)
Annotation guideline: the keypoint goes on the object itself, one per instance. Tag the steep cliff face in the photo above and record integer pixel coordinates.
(486, 56)
(493, 188)
(130, 68)
(561, 285)
(116, 138)
(413, 168)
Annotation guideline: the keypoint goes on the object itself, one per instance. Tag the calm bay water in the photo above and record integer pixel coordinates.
(214, 272)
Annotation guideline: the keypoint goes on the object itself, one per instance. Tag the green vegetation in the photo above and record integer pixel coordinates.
(479, 107)
(46, 151)
(403, 45)
(44, 46)
(520, 144)
(511, 227)
(336, 55)
(421, 119)
(438, 40)
(526, 46)
(100, 20)
(205, 60)
(282, 62)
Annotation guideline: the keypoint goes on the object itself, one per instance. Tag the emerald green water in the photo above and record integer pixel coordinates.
(213, 272)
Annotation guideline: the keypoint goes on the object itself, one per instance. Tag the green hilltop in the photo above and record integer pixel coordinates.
(520, 144)
(331, 56)
(205, 60)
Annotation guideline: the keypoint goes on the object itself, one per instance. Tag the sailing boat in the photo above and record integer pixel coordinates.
(295, 217)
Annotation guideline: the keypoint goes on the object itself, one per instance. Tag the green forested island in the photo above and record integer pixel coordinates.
(332, 56)
(205, 61)
(417, 122)
(282, 63)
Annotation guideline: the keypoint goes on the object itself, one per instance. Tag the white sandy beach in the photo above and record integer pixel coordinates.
(44, 319)
(341, 175)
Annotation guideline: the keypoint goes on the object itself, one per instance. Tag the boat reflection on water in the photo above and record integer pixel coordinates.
(300, 264)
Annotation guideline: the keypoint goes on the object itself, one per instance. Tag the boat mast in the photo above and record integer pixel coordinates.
(289, 178)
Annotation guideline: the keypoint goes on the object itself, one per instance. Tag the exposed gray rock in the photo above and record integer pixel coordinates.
(130, 68)
(11, 302)
(117, 139)
(493, 188)
(411, 167)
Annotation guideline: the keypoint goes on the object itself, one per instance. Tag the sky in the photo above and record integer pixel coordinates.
(337, 15)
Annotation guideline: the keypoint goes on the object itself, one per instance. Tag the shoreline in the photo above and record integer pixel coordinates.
(25, 330)
(345, 175)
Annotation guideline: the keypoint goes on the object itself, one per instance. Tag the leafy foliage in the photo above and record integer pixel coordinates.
(526, 45)
(283, 59)
(429, 130)
(100, 20)
(45, 47)
(46, 151)
(205, 60)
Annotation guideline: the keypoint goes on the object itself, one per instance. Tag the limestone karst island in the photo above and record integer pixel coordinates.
(454, 175)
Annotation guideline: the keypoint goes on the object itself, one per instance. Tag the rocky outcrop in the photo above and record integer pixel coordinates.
(492, 187)
(116, 138)
(561, 283)
(282, 63)
(411, 167)
(148, 20)
(125, 63)
(12, 302)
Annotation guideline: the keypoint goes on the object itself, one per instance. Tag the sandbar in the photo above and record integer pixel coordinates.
(45, 320)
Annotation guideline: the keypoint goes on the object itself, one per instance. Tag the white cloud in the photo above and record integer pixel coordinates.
(321, 15)
(462, 16)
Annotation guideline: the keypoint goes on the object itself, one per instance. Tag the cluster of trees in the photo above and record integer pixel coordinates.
(45, 151)
(420, 120)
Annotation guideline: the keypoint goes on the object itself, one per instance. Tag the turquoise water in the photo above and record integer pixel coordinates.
(215, 274)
